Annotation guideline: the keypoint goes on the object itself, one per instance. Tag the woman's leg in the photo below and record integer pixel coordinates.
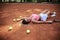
(48, 13)
(44, 11)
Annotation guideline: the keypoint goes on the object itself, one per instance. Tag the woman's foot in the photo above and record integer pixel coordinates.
(54, 14)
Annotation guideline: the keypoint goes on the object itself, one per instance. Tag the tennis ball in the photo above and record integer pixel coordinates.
(10, 28)
(14, 20)
(28, 31)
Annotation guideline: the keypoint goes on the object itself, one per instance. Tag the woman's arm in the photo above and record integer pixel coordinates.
(19, 19)
(41, 22)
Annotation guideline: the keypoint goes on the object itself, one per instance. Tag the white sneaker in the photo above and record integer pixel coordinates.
(54, 14)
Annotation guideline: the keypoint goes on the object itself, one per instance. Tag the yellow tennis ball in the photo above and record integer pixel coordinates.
(27, 31)
(14, 20)
(10, 28)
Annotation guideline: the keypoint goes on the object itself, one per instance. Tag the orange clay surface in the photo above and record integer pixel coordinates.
(9, 11)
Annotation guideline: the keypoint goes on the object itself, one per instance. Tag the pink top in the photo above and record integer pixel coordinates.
(34, 17)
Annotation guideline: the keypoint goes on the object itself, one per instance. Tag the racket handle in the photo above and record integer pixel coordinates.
(56, 20)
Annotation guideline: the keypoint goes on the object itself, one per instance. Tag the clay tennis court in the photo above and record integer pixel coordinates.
(9, 11)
